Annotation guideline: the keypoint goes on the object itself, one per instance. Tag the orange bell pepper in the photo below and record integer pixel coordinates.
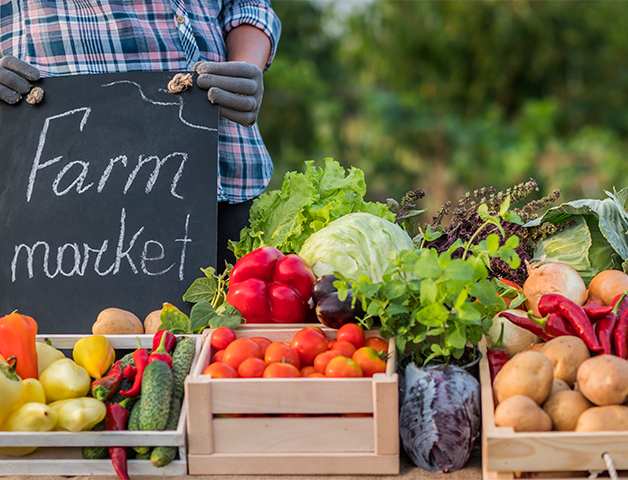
(17, 338)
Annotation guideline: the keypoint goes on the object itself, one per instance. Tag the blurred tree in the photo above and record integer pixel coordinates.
(451, 96)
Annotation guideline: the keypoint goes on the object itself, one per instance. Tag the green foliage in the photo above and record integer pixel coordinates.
(452, 96)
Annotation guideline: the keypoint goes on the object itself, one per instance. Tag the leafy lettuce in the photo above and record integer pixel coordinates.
(306, 203)
(598, 239)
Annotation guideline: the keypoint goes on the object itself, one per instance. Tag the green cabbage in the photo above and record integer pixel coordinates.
(355, 244)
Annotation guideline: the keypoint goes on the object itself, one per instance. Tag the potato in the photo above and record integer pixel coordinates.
(152, 322)
(604, 380)
(527, 373)
(558, 385)
(597, 419)
(564, 408)
(523, 414)
(566, 354)
(535, 347)
(114, 321)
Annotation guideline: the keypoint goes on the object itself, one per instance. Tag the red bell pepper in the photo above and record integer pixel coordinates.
(266, 286)
(160, 352)
(17, 339)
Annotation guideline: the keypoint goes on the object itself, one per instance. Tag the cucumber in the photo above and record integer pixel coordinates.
(162, 456)
(134, 424)
(156, 395)
(127, 360)
(95, 452)
(182, 358)
(143, 456)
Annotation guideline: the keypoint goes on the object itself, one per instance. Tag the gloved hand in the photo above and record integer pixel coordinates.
(236, 87)
(14, 77)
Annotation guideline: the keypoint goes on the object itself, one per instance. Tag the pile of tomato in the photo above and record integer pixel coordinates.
(310, 354)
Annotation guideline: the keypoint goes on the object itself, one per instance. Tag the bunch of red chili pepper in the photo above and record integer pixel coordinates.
(603, 328)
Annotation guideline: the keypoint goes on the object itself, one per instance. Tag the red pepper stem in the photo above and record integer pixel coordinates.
(618, 302)
(539, 321)
(139, 344)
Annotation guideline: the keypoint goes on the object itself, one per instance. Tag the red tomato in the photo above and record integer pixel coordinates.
(218, 356)
(221, 337)
(509, 283)
(262, 342)
(322, 359)
(369, 361)
(280, 352)
(316, 375)
(342, 367)
(352, 333)
(347, 349)
(281, 370)
(252, 368)
(319, 330)
(305, 371)
(377, 343)
(220, 370)
(331, 343)
(239, 350)
(308, 343)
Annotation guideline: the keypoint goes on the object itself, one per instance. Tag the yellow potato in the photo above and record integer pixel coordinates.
(564, 408)
(523, 414)
(528, 373)
(114, 321)
(558, 385)
(152, 322)
(604, 380)
(566, 354)
(598, 419)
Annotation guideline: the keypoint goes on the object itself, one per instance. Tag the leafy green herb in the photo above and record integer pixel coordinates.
(433, 303)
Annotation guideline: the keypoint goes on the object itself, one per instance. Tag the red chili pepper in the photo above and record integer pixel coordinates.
(574, 314)
(557, 326)
(160, 353)
(116, 419)
(497, 356)
(266, 286)
(140, 359)
(526, 323)
(171, 340)
(129, 372)
(105, 388)
(623, 303)
(593, 302)
(619, 329)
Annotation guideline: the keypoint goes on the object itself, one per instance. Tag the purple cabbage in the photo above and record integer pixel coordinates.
(439, 417)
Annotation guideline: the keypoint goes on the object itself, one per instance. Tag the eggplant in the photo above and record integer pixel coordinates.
(323, 286)
(334, 313)
(439, 418)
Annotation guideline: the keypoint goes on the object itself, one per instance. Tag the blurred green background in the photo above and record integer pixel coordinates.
(449, 96)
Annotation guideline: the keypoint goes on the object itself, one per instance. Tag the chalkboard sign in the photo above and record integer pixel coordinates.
(107, 198)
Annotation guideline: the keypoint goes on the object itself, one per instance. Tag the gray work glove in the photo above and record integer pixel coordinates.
(236, 87)
(14, 77)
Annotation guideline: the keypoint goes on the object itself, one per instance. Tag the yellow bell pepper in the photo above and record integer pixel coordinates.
(95, 354)
(78, 414)
(30, 417)
(64, 379)
(32, 392)
(11, 387)
(46, 354)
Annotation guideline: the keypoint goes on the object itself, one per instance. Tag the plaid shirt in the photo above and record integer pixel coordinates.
(100, 36)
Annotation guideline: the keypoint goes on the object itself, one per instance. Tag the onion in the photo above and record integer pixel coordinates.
(607, 284)
(515, 338)
(553, 278)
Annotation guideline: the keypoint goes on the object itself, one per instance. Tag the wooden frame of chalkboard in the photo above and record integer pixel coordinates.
(108, 197)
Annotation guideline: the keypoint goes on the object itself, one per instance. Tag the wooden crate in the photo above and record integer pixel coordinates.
(60, 452)
(325, 444)
(507, 454)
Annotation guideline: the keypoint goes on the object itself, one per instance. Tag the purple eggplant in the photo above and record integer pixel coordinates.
(439, 418)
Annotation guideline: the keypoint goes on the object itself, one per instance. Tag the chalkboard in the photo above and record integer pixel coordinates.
(107, 198)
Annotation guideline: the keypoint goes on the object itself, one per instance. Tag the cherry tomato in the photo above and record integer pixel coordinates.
(342, 367)
(305, 371)
(281, 370)
(322, 359)
(331, 343)
(318, 329)
(347, 349)
(369, 361)
(239, 350)
(316, 375)
(221, 337)
(378, 343)
(308, 342)
(280, 352)
(352, 333)
(220, 370)
(262, 342)
(218, 356)
(252, 368)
